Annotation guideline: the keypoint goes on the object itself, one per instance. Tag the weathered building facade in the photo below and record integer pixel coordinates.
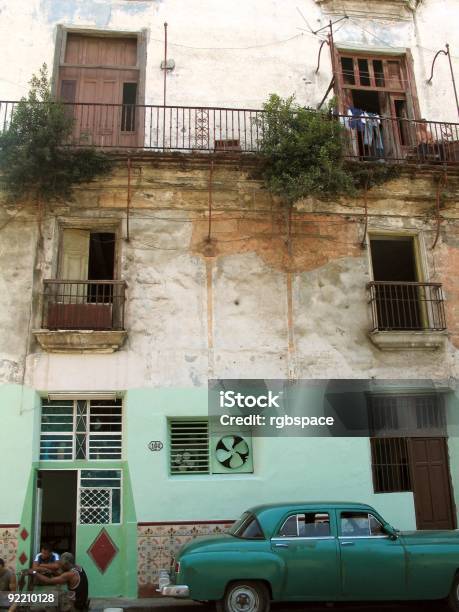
(118, 306)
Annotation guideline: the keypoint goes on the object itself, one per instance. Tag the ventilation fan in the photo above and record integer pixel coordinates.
(183, 462)
(232, 453)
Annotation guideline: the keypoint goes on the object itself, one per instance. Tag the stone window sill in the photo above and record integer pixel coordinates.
(413, 340)
(80, 341)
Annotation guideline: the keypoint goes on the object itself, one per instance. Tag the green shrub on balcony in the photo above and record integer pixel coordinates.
(35, 159)
(304, 154)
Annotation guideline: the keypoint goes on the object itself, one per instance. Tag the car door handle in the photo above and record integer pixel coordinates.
(281, 545)
(347, 543)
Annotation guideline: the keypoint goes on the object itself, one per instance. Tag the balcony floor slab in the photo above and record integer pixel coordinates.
(413, 340)
(80, 341)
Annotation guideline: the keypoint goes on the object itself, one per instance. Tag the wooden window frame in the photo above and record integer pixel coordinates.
(141, 63)
(407, 75)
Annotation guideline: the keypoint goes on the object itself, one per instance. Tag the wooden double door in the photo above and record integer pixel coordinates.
(99, 82)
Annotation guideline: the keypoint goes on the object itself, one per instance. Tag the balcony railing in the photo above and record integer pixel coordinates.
(79, 305)
(395, 139)
(407, 306)
(213, 129)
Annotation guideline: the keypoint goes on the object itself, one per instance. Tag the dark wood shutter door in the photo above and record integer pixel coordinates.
(68, 91)
(431, 483)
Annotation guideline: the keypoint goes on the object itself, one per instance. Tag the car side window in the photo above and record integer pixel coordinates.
(360, 524)
(306, 525)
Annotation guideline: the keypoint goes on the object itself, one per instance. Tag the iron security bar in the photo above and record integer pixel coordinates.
(69, 304)
(407, 306)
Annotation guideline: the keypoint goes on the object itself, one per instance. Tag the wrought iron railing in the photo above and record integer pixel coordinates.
(214, 129)
(93, 305)
(407, 306)
(172, 128)
(379, 139)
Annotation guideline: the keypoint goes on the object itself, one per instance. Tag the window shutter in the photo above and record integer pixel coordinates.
(75, 254)
(189, 447)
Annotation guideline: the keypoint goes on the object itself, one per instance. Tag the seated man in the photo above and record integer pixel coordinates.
(7, 578)
(74, 576)
(46, 560)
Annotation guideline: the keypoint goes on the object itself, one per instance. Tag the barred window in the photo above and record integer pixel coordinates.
(99, 497)
(189, 446)
(407, 415)
(81, 429)
(390, 465)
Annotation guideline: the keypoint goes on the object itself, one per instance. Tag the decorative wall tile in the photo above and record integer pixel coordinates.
(157, 544)
(9, 545)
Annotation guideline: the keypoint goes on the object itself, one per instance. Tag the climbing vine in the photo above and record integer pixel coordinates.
(35, 159)
(303, 154)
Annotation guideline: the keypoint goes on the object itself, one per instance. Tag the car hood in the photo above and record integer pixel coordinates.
(212, 543)
(431, 537)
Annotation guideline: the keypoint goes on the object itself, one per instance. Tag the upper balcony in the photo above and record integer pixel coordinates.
(139, 128)
(82, 316)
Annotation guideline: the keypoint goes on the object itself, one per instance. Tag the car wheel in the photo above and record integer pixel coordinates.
(453, 599)
(245, 596)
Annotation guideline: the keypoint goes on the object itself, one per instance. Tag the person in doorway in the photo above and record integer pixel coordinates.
(46, 560)
(74, 577)
(7, 578)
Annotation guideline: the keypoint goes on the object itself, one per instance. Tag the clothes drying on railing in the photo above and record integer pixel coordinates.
(369, 126)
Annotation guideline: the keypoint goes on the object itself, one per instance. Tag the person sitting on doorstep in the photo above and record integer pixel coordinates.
(74, 576)
(46, 560)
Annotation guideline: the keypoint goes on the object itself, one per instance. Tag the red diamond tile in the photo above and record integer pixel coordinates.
(102, 551)
(24, 534)
(23, 558)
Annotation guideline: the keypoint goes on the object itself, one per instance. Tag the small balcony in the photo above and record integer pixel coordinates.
(407, 315)
(82, 316)
(390, 139)
(149, 127)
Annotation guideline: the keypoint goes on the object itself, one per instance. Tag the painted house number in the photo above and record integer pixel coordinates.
(155, 445)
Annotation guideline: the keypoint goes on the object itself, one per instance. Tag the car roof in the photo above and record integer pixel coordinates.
(269, 515)
(309, 504)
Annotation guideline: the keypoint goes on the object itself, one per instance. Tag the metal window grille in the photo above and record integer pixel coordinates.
(99, 497)
(57, 431)
(81, 429)
(390, 465)
(383, 414)
(430, 413)
(407, 415)
(189, 446)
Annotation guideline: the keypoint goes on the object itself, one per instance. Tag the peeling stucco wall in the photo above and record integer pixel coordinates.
(257, 299)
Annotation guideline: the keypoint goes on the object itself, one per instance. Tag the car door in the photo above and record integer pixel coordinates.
(372, 564)
(307, 544)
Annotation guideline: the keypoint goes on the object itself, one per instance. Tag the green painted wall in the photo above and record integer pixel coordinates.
(285, 468)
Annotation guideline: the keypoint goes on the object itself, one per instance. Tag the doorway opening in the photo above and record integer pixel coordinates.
(57, 510)
(366, 100)
(398, 299)
(101, 260)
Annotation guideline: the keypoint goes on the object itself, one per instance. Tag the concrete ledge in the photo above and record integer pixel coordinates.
(79, 341)
(416, 340)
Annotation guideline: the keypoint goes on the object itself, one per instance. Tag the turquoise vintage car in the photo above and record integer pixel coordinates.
(315, 552)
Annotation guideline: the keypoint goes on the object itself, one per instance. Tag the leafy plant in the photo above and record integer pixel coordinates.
(35, 160)
(303, 151)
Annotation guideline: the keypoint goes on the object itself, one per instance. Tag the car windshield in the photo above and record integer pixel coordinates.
(247, 527)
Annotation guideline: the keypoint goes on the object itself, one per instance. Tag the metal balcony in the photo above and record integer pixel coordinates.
(83, 305)
(145, 127)
(408, 306)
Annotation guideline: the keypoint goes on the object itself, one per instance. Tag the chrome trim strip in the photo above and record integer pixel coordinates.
(369, 537)
(296, 538)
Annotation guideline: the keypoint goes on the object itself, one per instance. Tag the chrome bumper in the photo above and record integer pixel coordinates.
(168, 589)
(175, 590)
